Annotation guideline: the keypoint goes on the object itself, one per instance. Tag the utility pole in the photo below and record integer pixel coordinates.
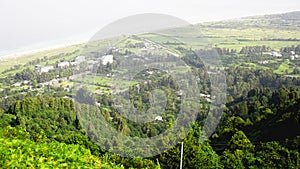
(181, 155)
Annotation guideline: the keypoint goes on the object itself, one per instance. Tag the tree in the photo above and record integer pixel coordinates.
(197, 154)
(240, 141)
(240, 152)
(273, 155)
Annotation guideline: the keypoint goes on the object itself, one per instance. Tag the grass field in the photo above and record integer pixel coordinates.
(285, 68)
(205, 37)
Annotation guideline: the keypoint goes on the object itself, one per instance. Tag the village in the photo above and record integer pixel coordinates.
(277, 55)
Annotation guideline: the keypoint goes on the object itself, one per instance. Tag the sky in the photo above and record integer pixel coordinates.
(38, 23)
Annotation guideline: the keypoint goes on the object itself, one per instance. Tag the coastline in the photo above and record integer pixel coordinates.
(27, 52)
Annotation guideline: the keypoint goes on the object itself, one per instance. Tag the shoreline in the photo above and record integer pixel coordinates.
(16, 55)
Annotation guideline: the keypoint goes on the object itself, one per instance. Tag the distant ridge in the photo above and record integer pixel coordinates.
(285, 21)
(295, 15)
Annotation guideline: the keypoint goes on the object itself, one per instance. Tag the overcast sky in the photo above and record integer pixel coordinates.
(29, 22)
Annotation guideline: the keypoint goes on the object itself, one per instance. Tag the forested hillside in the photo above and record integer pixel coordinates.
(258, 130)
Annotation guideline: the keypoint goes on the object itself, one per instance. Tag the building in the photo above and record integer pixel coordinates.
(73, 63)
(263, 62)
(26, 82)
(107, 59)
(43, 69)
(16, 84)
(159, 118)
(63, 65)
(205, 95)
(276, 54)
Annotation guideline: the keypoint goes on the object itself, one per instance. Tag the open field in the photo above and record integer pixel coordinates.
(285, 68)
(207, 37)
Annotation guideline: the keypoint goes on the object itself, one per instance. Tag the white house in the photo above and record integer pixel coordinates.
(107, 59)
(263, 62)
(25, 82)
(159, 118)
(73, 63)
(17, 84)
(47, 68)
(205, 95)
(43, 69)
(63, 64)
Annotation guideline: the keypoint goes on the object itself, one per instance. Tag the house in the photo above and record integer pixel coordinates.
(205, 95)
(107, 59)
(63, 65)
(26, 82)
(47, 68)
(16, 84)
(73, 63)
(179, 93)
(150, 72)
(293, 52)
(276, 54)
(263, 62)
(159, 118)
(292, 57)
(43, 69)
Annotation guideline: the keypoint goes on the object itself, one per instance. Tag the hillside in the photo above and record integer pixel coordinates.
(65, 107)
